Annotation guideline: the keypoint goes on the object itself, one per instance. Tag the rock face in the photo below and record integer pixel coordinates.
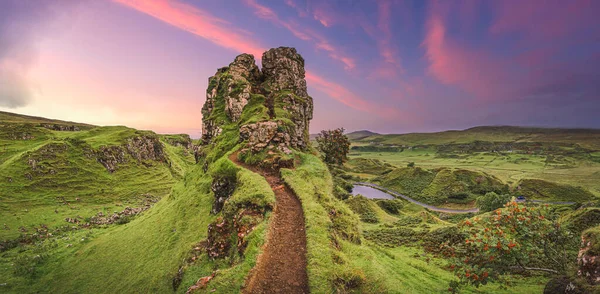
(145, 148)
(141, 148)
(281, 89)
(57, 127)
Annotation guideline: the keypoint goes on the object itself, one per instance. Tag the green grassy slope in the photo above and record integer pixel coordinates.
(43, 177)
(511, 154)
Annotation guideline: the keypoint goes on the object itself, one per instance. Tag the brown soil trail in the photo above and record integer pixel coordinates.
(281, 268)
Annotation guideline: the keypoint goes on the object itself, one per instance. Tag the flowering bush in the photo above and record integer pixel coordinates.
(512, 239)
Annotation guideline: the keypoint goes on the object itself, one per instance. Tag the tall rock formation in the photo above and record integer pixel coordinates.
(271, 107)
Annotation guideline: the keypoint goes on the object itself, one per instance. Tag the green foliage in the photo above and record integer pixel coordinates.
(363, 207)
(515, 238)
(411, 164)
(581, 219)
(544, 190)
(334, 145)
(394, 236)
(438, 241)
(492, 201)
(390, 206)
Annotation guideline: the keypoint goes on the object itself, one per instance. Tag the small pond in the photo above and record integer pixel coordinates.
(370, 193)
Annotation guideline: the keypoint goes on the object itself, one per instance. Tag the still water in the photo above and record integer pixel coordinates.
(370, 193)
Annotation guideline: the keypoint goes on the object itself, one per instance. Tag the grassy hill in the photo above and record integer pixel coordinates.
(563, 156)
(357, 135)
(51, 176)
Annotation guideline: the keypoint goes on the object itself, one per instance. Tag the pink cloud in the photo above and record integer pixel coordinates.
(196, 21)
(304, 34)
(473, 71)
(530, 66)
(348, 98)
(390, 67)
(193, 20)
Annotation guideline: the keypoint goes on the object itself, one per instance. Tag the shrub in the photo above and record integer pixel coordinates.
(492, 201)
(516, 238)
(410, 164)
(334, 145)
(362, 206)
(438, 240)
(390, 206)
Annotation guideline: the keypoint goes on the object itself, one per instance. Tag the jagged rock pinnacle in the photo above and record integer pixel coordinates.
(280, 87)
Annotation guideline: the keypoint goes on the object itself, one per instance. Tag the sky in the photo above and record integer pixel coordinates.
(388, 66)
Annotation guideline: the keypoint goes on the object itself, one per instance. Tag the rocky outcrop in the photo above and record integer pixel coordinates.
(281, 87)
(259, 135)
(222, 188)
(57, 127)
(110, 157)
(145, 148)
(232, 84)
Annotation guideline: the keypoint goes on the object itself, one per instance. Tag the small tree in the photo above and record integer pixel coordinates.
(334, 145)
(492, 201)
(512, 239)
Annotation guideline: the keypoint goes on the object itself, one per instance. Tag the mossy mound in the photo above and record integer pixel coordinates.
(549, 191)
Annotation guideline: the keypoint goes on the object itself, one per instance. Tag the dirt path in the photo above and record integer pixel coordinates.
(281, 268)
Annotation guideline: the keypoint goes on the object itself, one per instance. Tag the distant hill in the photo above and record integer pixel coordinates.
(9, 117)
(360, 134)
(587, 138)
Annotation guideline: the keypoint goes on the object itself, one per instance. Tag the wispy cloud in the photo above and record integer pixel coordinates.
(320, 42)
(348, 98)
(189, 18)
(527, 68)
(220, 32)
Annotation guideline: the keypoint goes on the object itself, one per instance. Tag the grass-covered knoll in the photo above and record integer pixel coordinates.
(59, 175)
(146, 254)
(440, 186)
(510, 168)
(544, 190)
(581, 219)
(564, 156)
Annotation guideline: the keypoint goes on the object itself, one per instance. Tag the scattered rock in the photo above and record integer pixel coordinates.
(111, 156)
(223, 189)
(57, 127)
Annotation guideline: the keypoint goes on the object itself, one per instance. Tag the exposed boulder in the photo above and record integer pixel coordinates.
(563, 285)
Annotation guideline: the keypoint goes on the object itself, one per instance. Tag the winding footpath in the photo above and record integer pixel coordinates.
(281, 268)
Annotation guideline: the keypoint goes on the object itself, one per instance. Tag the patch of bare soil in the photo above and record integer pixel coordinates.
(281, 268)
